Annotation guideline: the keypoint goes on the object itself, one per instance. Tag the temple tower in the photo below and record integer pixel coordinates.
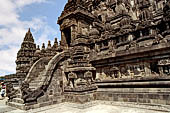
(25, 56)
(74, 21)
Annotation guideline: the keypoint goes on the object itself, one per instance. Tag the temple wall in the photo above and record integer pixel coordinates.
(134, 70)
(80, 98)
(136, 63)
(151, 96)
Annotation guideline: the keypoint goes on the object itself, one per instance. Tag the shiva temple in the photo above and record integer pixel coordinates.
(111, 50)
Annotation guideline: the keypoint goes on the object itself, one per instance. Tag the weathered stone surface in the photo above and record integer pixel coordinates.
(109, 50)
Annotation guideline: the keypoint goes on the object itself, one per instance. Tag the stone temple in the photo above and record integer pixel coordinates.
(110, 50)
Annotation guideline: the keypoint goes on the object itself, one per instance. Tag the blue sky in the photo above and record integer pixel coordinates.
(16, 16)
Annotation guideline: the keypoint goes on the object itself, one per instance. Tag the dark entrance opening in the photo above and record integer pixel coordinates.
(67, 33)
(154, 67)
(166, 69)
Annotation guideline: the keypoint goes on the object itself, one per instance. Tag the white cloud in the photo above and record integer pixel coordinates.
(7, 58)
(8, 13)
(12, 31)
(22, 3)
(43, 38)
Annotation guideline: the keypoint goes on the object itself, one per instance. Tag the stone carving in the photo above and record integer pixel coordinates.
(89, 77)
(110, 12)
(25, 91)
(71, 79)
(164, 62)
(121, 8)
(11, 92)
(94, 33)
(29, 95)
(133, 44)
(166, 8)
(159, 39)
(103, 11)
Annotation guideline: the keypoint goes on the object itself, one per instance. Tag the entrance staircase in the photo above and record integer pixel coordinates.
(39, 74)
(35, 80)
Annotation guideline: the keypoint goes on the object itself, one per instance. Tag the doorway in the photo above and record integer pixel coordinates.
(67, 34)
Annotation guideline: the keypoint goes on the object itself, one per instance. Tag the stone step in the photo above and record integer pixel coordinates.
(18, 100)
(18, 96)
(32, 88)
(38, 76)
(16, 105)
(38, 79)
(41, 73)
(46, 66)
(35, 84)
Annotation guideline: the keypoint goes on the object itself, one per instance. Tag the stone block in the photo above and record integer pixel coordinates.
(161, 101)
(167, 102)
(166, 97)
(132, 99)
(120, 99)
(125, 99)
(124, 95)
(139, 100)
(153, 101)
(110, 95)
(115, 98)
(130, 96)
(140, 95)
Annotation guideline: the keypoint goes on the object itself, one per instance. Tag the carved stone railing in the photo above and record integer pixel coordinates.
(29, 95)
(36, 69)
(52, 65)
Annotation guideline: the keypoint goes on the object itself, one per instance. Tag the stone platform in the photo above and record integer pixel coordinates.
(107, 91)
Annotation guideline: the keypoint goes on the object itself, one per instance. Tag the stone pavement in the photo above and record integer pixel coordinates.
(101, 107)
(92, 107)
(6, 109)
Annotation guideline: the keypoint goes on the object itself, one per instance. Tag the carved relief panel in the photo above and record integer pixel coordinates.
(83, 28)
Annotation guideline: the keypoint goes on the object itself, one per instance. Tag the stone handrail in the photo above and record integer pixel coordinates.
(31, 95)
(32, 72)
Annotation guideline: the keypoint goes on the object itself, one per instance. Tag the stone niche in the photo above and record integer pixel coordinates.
(71, 28)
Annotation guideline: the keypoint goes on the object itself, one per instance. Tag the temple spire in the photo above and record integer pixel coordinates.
(28, 36)
(25, 56)
(29, 30)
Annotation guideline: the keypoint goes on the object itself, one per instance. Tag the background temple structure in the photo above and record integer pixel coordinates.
(112, 50)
